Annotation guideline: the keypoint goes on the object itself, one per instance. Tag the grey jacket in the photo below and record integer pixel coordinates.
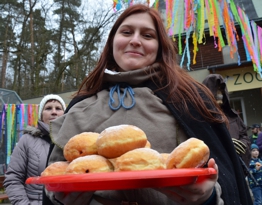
(27, 160)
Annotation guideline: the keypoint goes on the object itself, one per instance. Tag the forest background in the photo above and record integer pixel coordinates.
(49, 46)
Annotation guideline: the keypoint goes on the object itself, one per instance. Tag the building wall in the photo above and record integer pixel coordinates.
(252, 100)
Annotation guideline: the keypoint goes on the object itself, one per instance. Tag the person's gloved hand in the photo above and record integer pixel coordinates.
(240, 147)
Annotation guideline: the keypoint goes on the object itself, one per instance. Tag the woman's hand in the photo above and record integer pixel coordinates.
(76, 198)
(194, 193)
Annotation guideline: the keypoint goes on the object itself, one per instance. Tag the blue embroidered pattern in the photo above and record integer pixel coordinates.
(121, 99)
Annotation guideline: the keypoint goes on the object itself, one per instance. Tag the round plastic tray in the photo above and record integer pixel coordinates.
(122, 180)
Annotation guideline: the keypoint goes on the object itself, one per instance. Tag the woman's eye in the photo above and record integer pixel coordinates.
(126, 32)
(148, 35)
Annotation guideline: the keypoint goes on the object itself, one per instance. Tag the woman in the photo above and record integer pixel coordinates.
(30, 154)
(137, 81)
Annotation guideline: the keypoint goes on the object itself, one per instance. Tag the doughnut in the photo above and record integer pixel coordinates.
(165, 156)
(113, 161)
(140, 159)
(117, 140)
(148, 144)
(89, 164)
(56, 168)
(81, 145)
(192, 153)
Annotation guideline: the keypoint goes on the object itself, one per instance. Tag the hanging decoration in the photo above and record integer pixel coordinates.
(215, 15)
(117, 4)
(250, 39)
(13, 120)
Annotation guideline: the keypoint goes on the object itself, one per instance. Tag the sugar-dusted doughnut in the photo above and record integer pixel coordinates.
(191, 153)
(148, 144)
(81, 145)
(117, 140)
(89, 164)
(56, 168)
(139, 159)
(165, 156)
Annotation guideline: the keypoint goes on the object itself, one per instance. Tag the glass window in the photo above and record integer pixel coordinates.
(238, 105)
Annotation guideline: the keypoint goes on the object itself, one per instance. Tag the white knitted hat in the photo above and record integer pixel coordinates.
(47, 98)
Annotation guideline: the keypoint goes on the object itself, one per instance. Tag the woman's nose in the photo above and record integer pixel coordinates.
(135, 40)
(54, 111)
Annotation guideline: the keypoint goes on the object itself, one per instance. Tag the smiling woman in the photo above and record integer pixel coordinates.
(136, 43)
(137, 81)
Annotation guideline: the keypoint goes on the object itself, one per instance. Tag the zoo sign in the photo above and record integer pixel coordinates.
(241, 79)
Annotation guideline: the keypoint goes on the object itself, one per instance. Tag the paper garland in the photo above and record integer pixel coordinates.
(188, 17)
(13, 120)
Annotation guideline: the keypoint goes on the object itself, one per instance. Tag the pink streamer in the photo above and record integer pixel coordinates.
(23, 112)
(260, 41)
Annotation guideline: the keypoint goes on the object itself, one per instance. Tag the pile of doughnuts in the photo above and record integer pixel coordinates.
(124, 148)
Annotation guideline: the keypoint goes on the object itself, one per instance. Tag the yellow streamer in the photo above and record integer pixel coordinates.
(195, 47)
(201, 22)
(210, 17)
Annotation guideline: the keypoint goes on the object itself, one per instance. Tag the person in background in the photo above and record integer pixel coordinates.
(255, 169)
(237, 128)
(30, 154)
(259, 141)
(138, 81)
(255, 129)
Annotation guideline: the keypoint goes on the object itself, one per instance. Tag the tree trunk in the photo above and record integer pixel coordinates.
(32, 48)
(5, 58)
(4, 65)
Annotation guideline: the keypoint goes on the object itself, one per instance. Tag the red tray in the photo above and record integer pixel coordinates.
(122, 180)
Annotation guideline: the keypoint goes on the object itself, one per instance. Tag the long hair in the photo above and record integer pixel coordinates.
(182, 88)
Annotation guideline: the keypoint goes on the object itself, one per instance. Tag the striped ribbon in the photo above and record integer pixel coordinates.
(13, 120)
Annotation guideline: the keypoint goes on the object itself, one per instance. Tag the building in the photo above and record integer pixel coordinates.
(244, 84)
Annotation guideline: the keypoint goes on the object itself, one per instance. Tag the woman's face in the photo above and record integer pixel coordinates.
(52, 110)
(135, 44)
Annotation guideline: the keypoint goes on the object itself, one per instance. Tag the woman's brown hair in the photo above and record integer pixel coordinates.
(182, 88)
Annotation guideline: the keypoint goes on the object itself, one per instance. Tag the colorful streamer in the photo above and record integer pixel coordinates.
(13, 120)
(156, 4)
(2, 119)
(260, 42)
(189, 17)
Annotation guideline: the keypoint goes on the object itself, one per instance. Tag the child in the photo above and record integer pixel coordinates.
(255, 170)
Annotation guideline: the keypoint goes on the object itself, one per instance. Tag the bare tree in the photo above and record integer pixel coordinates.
(44, 44)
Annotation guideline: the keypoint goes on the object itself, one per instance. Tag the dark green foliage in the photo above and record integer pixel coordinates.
(49, 48)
